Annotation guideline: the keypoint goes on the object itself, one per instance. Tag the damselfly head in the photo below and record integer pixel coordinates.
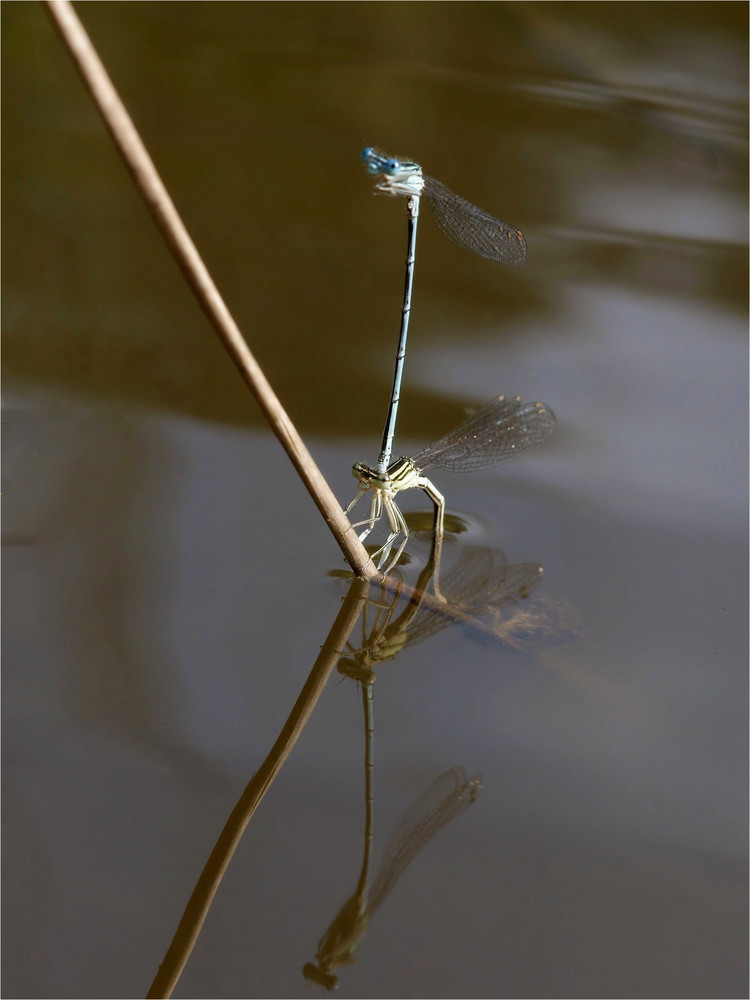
(362, 474)
(367, 477)
(318, 974)
(379, 163)
(398, 176)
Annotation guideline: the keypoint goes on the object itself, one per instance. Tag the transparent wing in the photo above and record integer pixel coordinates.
(501, 430)
(472, 229)
(445, 799)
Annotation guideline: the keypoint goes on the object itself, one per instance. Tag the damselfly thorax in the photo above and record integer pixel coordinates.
(400, 475)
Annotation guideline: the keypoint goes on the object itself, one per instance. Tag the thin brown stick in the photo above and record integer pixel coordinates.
(172, 228)
(213, 872)
(197, 908)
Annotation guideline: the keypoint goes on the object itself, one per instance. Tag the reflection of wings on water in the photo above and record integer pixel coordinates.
(442, 802)
(481, 582)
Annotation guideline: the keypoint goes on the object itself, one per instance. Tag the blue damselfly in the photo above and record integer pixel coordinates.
(467, 226)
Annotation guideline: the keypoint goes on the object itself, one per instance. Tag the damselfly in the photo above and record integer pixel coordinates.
(466, 225)
(501, 430)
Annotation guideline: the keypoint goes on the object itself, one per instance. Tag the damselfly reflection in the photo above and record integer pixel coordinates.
(480, 583)
(500, 431)
(442, 802)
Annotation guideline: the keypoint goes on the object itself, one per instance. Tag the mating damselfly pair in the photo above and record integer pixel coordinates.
(504, 427)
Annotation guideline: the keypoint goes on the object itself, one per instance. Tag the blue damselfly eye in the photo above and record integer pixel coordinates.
(392, 166)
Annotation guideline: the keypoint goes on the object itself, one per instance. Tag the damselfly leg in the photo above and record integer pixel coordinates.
(400, 475)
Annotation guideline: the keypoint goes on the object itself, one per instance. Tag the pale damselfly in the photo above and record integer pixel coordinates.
(501, 430)
(467, 226)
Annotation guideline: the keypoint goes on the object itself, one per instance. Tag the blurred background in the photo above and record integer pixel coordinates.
(168, 583)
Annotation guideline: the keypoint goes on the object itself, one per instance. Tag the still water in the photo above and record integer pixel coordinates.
(169, 584)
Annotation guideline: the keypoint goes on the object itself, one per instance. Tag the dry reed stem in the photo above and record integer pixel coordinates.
(172, 228)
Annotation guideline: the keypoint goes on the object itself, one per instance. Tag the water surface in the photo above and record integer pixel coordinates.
(168, 583)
